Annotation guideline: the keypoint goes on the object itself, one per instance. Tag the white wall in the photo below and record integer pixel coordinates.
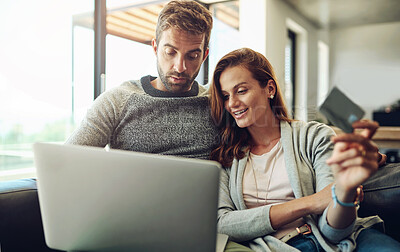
(263, 26)
(365, 63)
(253, 24)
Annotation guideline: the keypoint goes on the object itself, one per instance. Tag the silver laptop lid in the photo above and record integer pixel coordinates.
(97, 200)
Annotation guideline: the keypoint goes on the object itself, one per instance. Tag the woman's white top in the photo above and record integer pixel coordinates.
(266, 182)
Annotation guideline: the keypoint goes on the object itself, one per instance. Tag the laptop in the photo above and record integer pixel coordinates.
(92, 199)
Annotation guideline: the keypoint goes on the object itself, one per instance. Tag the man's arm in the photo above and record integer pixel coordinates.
(98, 125)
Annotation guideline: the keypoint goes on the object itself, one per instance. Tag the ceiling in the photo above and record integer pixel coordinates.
(138, 22)
(134, 23)
(333, 14)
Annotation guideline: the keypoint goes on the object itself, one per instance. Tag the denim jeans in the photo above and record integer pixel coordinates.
(369, 240)
(306, 242)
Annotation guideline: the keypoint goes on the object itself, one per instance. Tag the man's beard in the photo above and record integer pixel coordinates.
(173, 87)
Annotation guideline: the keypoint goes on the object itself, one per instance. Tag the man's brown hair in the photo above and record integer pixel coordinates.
(188, 16)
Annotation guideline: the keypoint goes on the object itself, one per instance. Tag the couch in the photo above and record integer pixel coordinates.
(21, 225)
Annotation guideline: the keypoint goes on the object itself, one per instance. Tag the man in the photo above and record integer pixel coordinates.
(167, 114)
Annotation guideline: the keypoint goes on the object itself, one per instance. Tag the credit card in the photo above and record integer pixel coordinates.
(340, 110)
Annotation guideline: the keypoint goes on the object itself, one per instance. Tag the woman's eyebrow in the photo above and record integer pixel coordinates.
(236, 86)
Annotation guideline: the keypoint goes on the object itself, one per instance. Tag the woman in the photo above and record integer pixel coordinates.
(278, 183)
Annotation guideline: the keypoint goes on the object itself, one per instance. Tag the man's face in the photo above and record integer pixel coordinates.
(179, 57)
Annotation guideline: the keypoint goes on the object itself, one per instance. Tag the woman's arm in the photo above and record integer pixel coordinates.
(248, 224)
(353, 161)
(240, 225)
(290, 211)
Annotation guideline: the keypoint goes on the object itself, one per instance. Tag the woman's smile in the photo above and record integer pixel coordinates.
(244, 98)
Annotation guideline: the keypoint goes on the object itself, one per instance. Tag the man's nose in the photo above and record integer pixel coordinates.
(180, 64)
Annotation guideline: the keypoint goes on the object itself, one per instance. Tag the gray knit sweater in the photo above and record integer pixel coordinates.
(135, 116)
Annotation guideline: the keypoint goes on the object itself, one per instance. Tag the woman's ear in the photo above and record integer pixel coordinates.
(271, 88)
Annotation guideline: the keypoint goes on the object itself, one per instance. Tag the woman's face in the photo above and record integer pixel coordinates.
(244, 98)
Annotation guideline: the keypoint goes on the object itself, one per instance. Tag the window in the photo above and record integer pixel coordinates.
(290, 85)
(323, 71)
(298, 69)
(82, 71)
(129, 55)
(35, 78)
(225, 36)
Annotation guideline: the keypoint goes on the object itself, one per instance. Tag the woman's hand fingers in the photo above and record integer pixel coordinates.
(355, 139)
(340, 154)
(369, 127)
(353, 160)
(350, 146)
(362, 161)
(349, 178)
(359, 154)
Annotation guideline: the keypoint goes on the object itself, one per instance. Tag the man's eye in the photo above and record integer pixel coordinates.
(193, 56)
(242, 91)
(170, 52)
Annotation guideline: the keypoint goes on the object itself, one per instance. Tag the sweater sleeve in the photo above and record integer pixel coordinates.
(240, 225)
(321, 149)
(332, 234)
(101, 119)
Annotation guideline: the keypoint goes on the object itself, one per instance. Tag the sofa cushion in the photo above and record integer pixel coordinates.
(20, 221)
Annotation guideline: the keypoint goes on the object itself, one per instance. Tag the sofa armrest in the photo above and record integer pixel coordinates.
(20, 220)
(382, 197)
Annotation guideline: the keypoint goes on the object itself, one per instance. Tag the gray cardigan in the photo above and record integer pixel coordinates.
(306, 147)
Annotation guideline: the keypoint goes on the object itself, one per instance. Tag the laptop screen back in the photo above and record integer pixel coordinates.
(92, 199)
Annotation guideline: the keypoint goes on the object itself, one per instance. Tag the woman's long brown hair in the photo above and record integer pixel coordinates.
(232, 138)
